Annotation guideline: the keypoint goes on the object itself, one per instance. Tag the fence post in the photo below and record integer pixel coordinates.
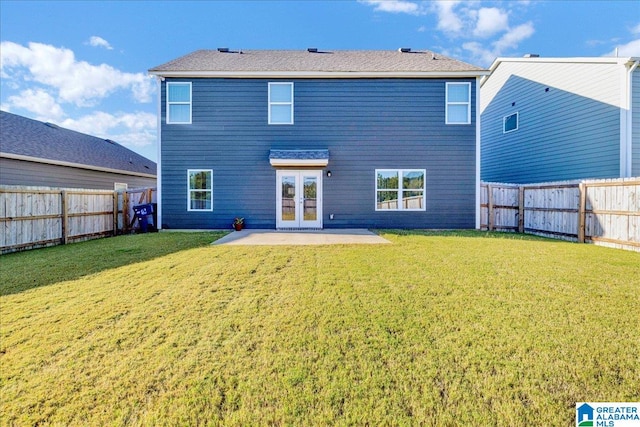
(65, 216)
(521, 209)
(115, 212)
(490, 212)
(125, 211)
(582, 212)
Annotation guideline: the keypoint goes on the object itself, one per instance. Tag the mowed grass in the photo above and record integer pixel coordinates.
(438, 328)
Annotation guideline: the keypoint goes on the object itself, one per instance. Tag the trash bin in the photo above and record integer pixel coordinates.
(142, 214)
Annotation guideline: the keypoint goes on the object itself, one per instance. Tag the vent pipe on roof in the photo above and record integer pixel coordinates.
(312, 49)
(405, 49)
(52, 125)
(223, 49)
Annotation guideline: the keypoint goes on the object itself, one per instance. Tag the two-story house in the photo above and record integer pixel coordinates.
(554, 119)
(318, 139)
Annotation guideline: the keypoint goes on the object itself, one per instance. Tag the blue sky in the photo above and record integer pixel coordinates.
(83, 64)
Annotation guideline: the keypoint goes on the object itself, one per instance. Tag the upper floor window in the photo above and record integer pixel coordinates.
(400, 189)
(280, 103)
(200, 190)
(458, 111)
(179, 103)
(510, 123)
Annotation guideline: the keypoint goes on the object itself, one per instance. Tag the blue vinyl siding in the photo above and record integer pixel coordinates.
(560, 136)
(366, 124)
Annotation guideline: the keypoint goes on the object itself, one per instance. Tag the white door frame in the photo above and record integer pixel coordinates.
(298, 220)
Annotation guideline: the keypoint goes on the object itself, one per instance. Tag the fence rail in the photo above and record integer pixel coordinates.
(32, 217)
(604, 212)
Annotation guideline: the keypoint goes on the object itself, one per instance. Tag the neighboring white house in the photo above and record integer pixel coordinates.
(550, 119)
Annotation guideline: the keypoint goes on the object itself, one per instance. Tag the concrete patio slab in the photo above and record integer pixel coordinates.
(301, 237)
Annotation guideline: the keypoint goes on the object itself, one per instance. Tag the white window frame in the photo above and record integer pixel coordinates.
(401, 190)
(448, 103)
(169, 103)
(190, 190)
(290, 84)
(504, 123)
(120, 186)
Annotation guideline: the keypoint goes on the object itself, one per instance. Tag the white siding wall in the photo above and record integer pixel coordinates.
(598, 81)
(635, 110)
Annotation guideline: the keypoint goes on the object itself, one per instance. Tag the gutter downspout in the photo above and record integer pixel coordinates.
(159, 80)
(628, 143)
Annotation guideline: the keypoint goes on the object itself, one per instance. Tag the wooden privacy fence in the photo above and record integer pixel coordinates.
(604, 212)
(32, 217)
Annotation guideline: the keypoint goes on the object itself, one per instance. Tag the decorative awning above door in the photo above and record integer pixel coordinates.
(299, 158)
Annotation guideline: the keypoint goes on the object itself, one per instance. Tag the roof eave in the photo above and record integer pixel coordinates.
(567, 60)
(74, 165)
(320, 74)
(574, 60)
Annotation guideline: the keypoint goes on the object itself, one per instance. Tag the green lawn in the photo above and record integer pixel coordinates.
(448, 328)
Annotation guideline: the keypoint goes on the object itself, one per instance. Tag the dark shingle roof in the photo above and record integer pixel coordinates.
(292, 61)
(26, 137)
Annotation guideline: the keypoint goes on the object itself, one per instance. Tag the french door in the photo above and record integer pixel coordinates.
(298, 198)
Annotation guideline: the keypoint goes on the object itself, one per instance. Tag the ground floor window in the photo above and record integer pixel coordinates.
(200, 190)
(400, 189)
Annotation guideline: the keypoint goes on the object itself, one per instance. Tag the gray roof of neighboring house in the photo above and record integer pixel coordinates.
(31, 138)
(302, 61)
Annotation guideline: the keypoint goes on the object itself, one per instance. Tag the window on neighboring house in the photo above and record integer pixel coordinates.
(458, 110)
(200, 190)
(179, 103)
(120, 186)
(280, 103)
(510, 123)
(400, 189)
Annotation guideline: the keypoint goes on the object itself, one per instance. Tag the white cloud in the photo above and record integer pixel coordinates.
(394, 6)
(480, 52)
(39, 102)
(448, 20)
(130, 129)
(636, 29)
(509, 40)
(469, 22)
(96, 41)
(629, 49)
(143, 138)
(76, 82)
(491, 20)
(513, 37)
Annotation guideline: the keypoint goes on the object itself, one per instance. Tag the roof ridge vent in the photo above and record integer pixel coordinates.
(312, 49)
(52, 125)
(531, 55)
(404, 49)
(110, 141)
(223, 49)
